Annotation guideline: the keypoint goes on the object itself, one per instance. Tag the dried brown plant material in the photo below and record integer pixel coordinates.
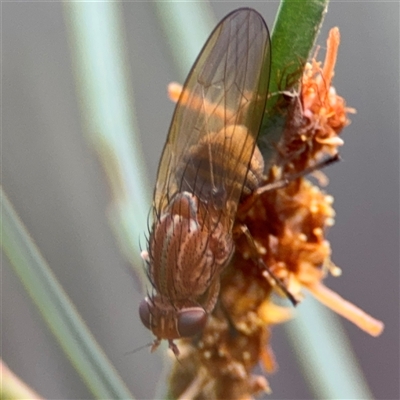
(317, 115)
(288, 228)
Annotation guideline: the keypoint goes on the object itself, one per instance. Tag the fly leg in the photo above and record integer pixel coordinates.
(248, 203)
(244, 230)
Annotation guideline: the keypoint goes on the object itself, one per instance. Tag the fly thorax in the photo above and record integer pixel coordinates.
(184, 254)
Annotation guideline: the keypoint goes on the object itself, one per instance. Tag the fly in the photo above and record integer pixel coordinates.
(209, 164)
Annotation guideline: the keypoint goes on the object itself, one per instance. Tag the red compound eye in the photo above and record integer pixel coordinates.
(144, 313)
(191, 321)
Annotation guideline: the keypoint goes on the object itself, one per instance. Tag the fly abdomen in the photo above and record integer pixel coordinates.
(217, 168)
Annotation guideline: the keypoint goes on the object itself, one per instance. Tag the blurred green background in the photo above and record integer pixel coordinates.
(54, 179)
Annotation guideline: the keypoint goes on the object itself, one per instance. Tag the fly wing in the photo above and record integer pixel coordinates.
(218, 115)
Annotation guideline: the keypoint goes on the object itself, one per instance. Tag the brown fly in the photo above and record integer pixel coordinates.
(210, 163)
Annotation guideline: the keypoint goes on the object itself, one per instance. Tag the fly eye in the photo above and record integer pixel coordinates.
(191, 321)
(144, 313)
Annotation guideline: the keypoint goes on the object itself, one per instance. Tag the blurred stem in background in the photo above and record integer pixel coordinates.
(12, 387)
(57, 310)
(325, 354)
(186, 26)
(105, 92)
(103, 84)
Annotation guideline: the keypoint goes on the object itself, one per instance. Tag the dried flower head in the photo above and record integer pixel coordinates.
(288, 227)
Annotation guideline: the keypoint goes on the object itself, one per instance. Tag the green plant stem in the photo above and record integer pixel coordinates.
(293, 37)
(56, 308)
(294, 34)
